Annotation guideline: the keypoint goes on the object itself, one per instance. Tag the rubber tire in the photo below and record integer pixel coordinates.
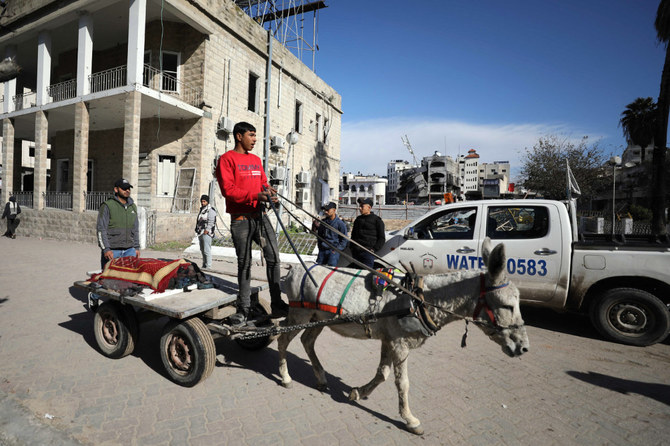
(116, 329)
(192, 344)
(264, 308)
(631, 301)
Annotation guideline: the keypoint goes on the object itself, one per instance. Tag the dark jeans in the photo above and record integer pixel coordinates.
(363, 257)
(243, 233)
(12, 224)
(328, 257)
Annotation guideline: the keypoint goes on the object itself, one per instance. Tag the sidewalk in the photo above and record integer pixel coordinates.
(572, 388)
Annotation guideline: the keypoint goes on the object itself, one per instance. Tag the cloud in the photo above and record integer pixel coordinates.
(367, 146)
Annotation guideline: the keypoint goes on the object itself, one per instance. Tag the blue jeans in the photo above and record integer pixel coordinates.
(206, 249)
(130, 252)
(363, 257)
(243, 233)
(328, 257)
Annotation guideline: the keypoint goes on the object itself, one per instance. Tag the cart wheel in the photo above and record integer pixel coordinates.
(116, 329)
(261, 309)
(187, 351)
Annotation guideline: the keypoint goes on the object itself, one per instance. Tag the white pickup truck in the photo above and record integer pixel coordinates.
(623, 285)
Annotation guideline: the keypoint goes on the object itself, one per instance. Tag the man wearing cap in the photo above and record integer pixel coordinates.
(118, 226)
(204, 229)
(327, 255)
(368, 232)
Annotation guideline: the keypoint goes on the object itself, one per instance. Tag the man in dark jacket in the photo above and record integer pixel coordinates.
(118, 226)
(12, 211)
(327, 255)
(368, 231)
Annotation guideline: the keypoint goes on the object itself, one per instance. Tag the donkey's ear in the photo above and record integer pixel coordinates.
(497, 262)
(486, 250)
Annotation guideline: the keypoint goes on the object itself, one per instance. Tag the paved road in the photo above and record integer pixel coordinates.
(572, 388)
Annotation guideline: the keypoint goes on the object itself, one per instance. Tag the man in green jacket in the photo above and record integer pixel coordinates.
(118, 226)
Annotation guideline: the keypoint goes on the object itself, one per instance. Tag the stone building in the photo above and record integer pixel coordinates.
(148, 90)
(352, 187)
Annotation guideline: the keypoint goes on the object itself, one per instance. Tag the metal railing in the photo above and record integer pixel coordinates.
(167, 83)
(25, 100)
(24, 199)
(108, 79)
(305, 243)
(95, 199)
(58, 200)
(62, 90)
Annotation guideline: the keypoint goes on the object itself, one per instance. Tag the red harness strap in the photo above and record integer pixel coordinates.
(323, 284)
(481, 303)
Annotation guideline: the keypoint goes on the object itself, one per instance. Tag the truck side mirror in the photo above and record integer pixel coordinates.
(409, 234)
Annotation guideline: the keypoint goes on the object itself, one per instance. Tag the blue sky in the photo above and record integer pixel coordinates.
(485, 74)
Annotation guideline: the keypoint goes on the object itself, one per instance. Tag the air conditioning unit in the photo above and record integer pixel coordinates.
(276, 142)
(279, 173)
(303, 196)
(226, 125)
(303, 177)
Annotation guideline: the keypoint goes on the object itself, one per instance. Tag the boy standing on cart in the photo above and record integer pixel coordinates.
(245, 187)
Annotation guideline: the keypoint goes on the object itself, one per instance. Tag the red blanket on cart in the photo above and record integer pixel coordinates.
(153, 273)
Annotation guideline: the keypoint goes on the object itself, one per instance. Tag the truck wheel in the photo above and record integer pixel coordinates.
(187, 351)
(262, 309)
(116, 329)
(631, 316)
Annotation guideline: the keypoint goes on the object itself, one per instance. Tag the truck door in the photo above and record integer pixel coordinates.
(443, 241)
(532, 237)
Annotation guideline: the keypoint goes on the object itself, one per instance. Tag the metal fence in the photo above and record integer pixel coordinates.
(304, 243)
(108, 79)
(388, 212)
(58, 200)
(25, 100)
(95, 199)
(63, 90)
(24, 199)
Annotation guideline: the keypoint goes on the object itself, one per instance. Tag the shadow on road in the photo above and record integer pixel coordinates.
(568, 323)
(266, 362)
(658, 392)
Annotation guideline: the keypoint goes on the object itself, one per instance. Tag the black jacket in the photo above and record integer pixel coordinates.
(369, 232)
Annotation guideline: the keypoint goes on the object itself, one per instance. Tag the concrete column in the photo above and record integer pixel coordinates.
(84, 54)
(40, 172)
(131, 136)
(80, 156)
(10, 85)
(136, 26)
(7, 159)
(43, 67)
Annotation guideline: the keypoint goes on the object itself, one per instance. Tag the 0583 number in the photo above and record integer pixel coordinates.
(529, 267)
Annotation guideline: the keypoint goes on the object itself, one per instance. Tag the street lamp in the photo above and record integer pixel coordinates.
(614, 161)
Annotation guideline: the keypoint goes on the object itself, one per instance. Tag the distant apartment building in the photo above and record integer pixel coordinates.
(436, 176)
(149, 90)
(394, 171)
(494, 178)
(353, 187)
(469, 170)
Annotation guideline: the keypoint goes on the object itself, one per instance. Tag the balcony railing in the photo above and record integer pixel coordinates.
(167, 83)
(58, 200)
(24, 199)
(95, 199)
(62, 90)
(108, 79)
(25, 100)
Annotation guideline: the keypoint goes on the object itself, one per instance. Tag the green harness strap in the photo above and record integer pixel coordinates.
(346, 290)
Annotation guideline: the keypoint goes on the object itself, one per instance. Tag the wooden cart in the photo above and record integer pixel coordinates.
(187, 343)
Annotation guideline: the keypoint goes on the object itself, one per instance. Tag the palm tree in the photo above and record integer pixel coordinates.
(662, 25)
(638, 122)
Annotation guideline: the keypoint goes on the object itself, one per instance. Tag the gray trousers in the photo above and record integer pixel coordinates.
(243, 233)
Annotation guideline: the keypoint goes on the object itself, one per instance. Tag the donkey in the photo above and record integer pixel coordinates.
(487, 298)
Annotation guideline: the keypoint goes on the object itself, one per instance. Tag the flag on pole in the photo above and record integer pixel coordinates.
(573, 187)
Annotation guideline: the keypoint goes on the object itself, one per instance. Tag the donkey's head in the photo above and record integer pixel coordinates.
(498, 306)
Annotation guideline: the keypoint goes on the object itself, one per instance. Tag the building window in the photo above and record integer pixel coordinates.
(165, 178)
(146, 73)
(318, 127)
(297, 122)
(62, 174)
(326, 129)
(170, 71)
(254, 93)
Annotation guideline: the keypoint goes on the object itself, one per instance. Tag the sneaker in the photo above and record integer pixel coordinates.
(240, 319)
(279, 309)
